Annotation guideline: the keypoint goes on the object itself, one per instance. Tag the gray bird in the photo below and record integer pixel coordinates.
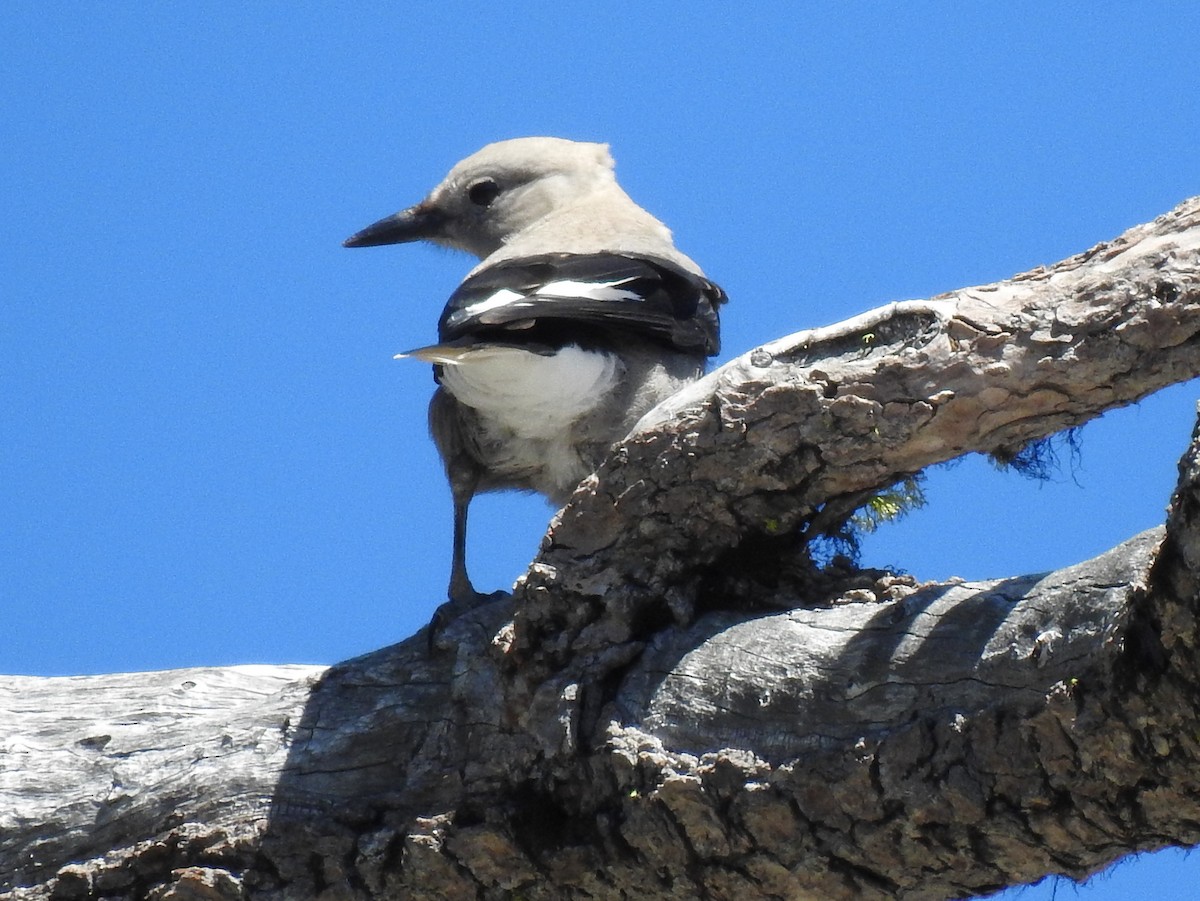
(581, 316)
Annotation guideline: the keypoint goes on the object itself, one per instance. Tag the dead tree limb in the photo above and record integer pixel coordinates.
(675, 704)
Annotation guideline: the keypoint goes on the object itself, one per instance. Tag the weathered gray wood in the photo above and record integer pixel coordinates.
(807, 679)
(88, 762)
(655, 716)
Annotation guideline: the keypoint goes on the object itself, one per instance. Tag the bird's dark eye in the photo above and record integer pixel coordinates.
(483, 192)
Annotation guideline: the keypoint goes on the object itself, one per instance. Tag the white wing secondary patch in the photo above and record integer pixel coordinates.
(588, 290)
(562, 290)
(501, 298)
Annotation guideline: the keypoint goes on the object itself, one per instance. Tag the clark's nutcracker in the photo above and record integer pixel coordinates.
(581, 316)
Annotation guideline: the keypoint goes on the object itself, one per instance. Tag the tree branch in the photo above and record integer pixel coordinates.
(762, 444)
(634, 724)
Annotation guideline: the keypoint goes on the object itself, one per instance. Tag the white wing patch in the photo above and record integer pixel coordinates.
(501, 298)
(588, 290)
(560, 290)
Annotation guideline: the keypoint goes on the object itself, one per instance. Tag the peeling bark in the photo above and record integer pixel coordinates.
(674, 704)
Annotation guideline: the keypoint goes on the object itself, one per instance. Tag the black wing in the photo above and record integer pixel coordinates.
(568, 294)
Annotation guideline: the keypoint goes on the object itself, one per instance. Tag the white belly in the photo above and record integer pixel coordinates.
(529, 405)
(532, 395)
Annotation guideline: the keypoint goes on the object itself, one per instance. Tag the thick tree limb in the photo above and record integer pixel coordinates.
(762, 444)
(637, 730)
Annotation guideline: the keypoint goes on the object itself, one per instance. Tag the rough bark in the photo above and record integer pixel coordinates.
(674, 704)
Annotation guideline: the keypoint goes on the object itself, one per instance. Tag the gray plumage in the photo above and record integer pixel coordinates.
(580, 317)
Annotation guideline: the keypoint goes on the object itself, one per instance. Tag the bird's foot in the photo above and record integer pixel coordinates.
(460, 604)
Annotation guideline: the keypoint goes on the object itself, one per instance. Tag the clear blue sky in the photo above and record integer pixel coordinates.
(209, 455)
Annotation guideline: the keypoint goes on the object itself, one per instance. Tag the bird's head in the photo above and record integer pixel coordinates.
(497, 193)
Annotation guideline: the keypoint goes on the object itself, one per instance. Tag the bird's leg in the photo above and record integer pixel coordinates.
(461, 590)
(463, 596)
(447, 419)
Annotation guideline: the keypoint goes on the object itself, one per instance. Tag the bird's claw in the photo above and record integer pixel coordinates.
(456, 608)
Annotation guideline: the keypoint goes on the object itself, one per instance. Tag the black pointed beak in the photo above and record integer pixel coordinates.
(417, 223)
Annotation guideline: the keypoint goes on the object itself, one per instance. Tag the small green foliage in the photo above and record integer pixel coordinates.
(889, 506)
(771, 527)
(842, 538)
